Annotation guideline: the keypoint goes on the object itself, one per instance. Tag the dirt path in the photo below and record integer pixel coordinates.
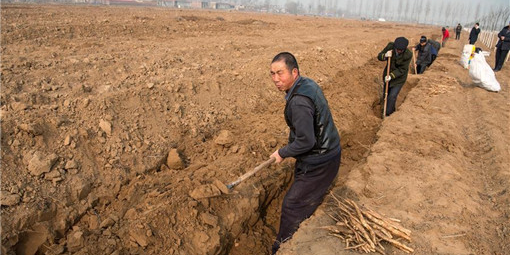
(440, 165)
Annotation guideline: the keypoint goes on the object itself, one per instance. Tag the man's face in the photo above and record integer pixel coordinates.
(281, 76)
(423, 43)
(399, 51)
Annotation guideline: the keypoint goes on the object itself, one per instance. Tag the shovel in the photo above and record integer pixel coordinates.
(386, 89)
(251, 172)
(414, 61)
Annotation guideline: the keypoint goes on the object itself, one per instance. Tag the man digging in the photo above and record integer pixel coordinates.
(398, 57)
(313, 140)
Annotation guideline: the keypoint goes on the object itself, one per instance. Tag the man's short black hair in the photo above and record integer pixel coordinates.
(478, 23)
(290, 60)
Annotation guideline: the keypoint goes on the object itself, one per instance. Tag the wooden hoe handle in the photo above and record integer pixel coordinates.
(386, 89)
(251, 172)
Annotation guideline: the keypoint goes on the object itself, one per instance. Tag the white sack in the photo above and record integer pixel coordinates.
(482, 74)
(466, 53)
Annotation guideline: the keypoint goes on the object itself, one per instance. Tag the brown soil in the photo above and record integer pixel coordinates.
(119, 125)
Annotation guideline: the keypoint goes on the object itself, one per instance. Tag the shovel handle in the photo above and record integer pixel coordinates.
(386, 88)
(251, 172)
(414, 61)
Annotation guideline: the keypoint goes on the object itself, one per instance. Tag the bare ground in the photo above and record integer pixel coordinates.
(116, 122)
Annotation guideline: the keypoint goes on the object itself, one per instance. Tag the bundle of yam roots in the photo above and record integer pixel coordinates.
(363, 230)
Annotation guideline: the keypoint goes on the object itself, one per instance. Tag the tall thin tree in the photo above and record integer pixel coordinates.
(387, 11)
(360, 7)
(477, 11)
(373, 9)
(427, 11)
(400, 7)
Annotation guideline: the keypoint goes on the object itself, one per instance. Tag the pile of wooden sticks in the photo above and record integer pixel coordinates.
(363, 230)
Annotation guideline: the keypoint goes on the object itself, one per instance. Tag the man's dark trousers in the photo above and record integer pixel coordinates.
(311, 182)
(457, 36)
(392, 98)
(500, 58)
(420, 69)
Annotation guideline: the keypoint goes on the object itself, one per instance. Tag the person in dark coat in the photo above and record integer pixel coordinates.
(401, 57)
(502, 47)
(435, 44)
(473, 35)
(424, 58)
(458, 30)
(314, 142)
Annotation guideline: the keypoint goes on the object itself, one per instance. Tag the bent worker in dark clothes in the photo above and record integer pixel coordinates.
(399, 67)
(424, 58)
(313, 140)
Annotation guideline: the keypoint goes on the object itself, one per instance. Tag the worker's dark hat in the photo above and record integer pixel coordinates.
(423, 39)
(401, 43)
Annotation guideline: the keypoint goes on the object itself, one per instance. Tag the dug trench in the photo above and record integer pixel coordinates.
(359, 88)
(181, 211)
(439, 165)
(117, 121)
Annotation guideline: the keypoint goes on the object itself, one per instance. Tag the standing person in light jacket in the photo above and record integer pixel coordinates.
(313, 141)
(502, 47)
(458, 30)
(401, 57)
(473, 35)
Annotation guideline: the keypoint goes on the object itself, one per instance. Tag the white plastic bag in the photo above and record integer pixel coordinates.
(466, 54)
(482, 73)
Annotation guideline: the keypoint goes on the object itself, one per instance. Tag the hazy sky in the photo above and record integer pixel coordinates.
(473, 2)
(440, 12)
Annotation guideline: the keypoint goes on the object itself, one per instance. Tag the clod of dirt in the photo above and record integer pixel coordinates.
(31, 241)
(67, 140)
(106, 126)
(225, 138)
(19, 106)
(209, 219)
(33, 129)
(75, 241)
(205, 191)
(107, 223)
(54, 174)
(10, 199)
(174, 161)
(139, 237)
(80, 188)
(39, 163)
(71, 164)
(222, 187)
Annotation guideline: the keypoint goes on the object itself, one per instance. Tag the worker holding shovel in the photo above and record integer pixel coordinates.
(426, 53)
(398, 58)
(313, 140)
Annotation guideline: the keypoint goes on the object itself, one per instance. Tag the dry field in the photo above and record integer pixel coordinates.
(117, 124)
